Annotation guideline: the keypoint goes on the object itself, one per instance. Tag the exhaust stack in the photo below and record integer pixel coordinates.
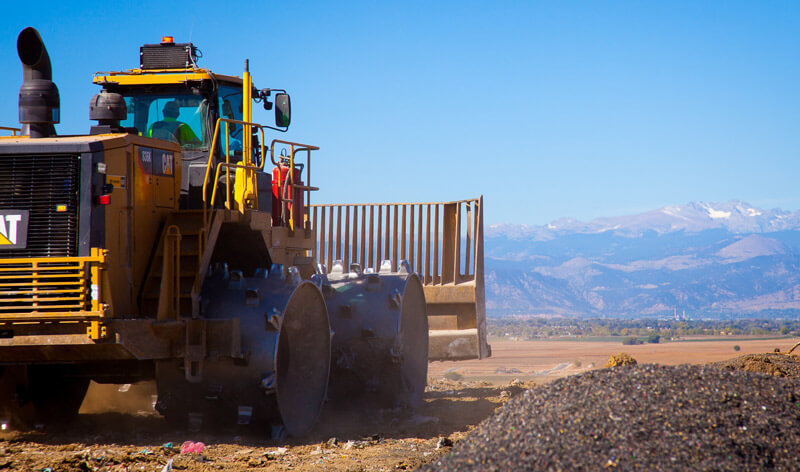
(39, 104)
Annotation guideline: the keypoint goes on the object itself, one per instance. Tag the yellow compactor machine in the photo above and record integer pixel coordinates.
(173, 242)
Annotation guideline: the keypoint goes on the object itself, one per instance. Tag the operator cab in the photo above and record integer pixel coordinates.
(170, 98)
(196, 108)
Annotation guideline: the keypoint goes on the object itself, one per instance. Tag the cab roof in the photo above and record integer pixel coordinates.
(161, 77)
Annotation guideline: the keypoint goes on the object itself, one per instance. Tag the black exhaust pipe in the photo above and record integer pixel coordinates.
(39, 104)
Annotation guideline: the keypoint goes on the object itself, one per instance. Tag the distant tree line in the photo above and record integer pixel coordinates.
(636, 331)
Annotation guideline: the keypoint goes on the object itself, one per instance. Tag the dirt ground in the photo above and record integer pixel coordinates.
(119, 431)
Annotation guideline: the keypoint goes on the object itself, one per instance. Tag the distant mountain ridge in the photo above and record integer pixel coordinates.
(734, 216)
(708, 259)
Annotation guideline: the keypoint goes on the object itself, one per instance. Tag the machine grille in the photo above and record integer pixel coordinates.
(167, 56)
(43, 184)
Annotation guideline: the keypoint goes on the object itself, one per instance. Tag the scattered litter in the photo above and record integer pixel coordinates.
(124, 388)
(242, 452)
(514, 382)
(443, 442)
(332, 442)
(167, 445)
(317, 451)
(277, 452)
(190, 447)
(167, 466)
(355, 444)
(505, 394)
(145, 451)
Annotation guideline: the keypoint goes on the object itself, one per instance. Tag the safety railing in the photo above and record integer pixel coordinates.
(439, 240)
(250, 167)
(14, 131)
(52, 288)
(247, 165)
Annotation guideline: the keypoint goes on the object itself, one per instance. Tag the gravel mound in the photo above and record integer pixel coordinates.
(780, 365)
(623, 358)
(646, 417)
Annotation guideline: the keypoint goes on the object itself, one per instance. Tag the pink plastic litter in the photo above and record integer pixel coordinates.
(190, 447)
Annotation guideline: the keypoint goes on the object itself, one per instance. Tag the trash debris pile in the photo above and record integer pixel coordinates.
(646, 417)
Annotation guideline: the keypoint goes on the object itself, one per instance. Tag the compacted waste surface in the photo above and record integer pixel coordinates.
(645, 417)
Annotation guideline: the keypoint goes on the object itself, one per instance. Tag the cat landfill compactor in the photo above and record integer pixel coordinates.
(158, 247)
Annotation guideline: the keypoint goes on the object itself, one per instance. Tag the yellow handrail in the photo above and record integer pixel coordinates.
(14, 131)
(246, 156)
(248, 165)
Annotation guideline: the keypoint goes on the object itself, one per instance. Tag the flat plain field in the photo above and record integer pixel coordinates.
(543, 360)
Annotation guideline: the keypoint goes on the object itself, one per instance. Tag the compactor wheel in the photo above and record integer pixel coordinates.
(411, 368)
(277, 380)
(380, 343)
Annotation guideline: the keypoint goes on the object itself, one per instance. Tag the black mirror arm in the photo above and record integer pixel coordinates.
(282, 130)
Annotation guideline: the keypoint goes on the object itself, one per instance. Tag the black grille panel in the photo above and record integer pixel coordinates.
(39, 183)
(167, 56)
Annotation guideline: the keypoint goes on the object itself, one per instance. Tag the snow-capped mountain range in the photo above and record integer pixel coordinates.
(708, 259)
(734, 216)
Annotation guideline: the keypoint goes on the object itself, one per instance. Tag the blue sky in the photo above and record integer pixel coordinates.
(548, 109)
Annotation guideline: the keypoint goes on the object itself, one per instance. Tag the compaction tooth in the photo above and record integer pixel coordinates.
(213, 392)
(244, 415)
(252, 297)
(396, 299)
(275, 319)
(294, 275)
(268, 383)
(404, 267)
(235, 279)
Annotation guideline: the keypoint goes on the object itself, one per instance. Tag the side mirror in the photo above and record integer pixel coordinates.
(283, 110)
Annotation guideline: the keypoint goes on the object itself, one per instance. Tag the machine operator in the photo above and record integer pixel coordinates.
(171, 129)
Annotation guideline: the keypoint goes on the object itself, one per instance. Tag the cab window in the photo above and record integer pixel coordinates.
(230, 106)
(177, 118)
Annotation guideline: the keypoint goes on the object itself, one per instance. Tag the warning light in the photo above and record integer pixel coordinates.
(61, 208)
(166, 39)
(104, 200)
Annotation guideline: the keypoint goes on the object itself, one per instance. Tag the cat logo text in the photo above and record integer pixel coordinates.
(13, 229)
